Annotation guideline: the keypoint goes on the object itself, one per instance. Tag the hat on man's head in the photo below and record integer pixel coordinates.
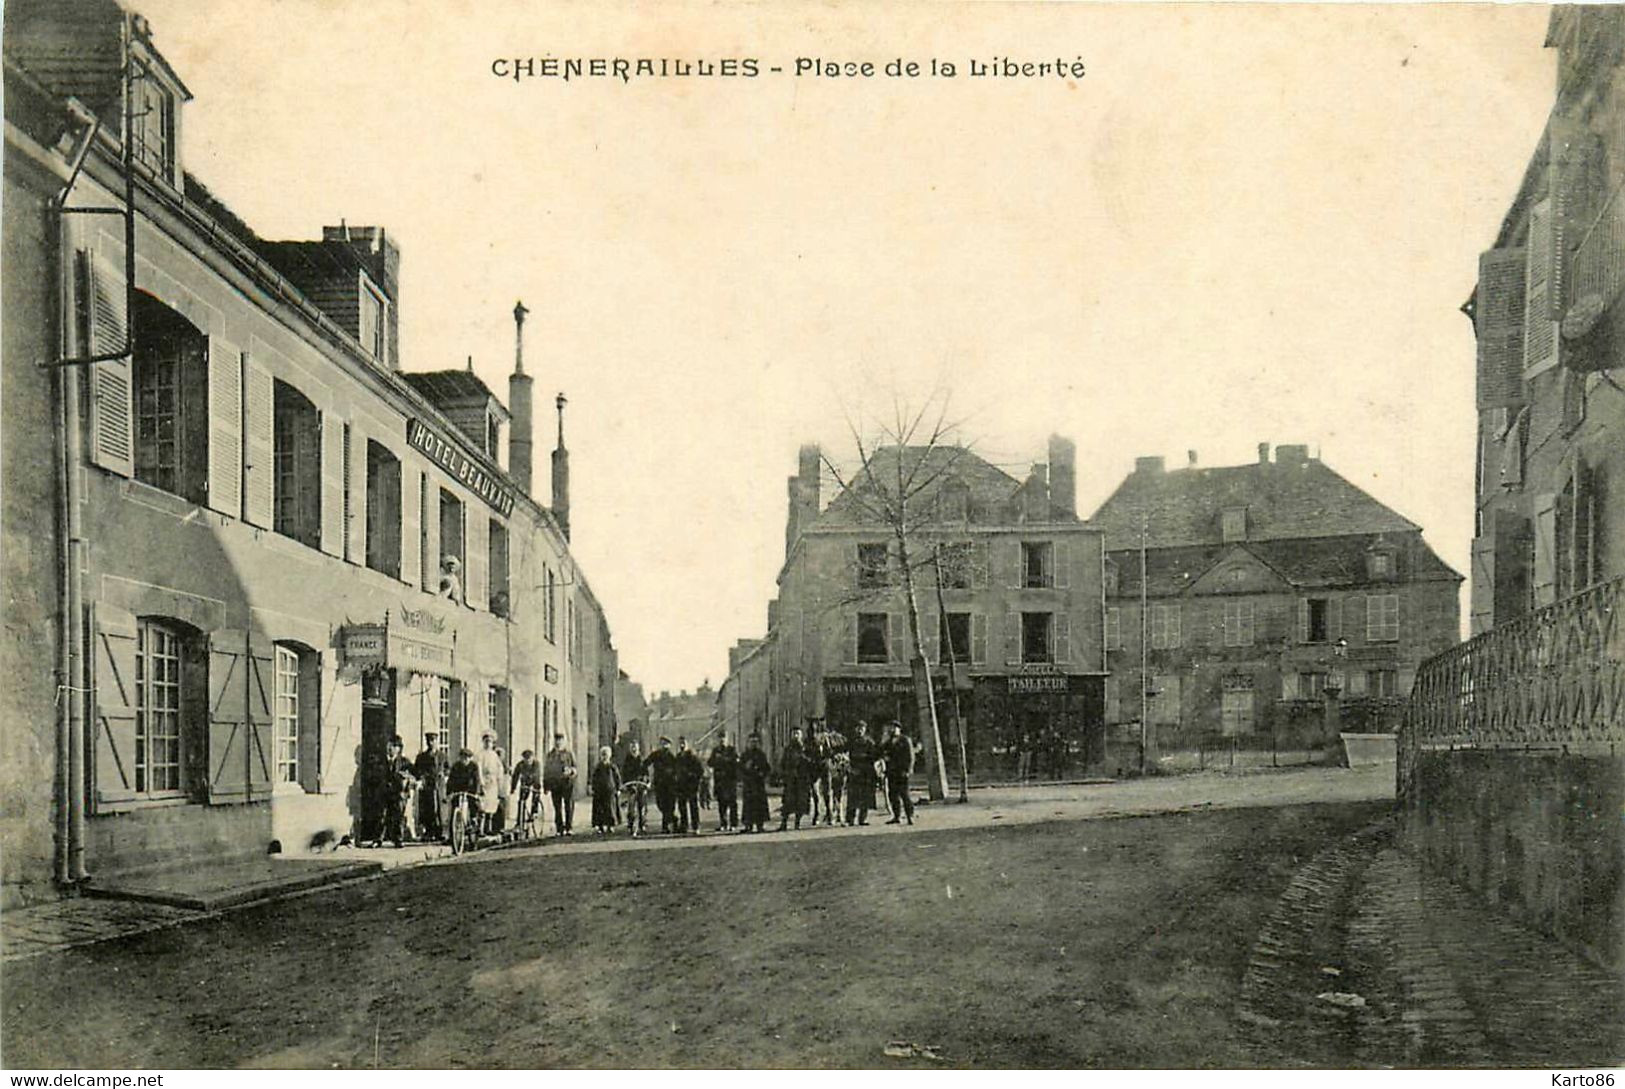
(465, 751)
(431, 737)
(665, 741)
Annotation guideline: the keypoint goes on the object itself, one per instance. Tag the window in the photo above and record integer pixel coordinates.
(371, 333)
(1311, 686)
(1382, 683)
(497, 548)
(383, 510)
(1233, 523)
(550, 608)
(498, 708)
(1114, 629)
(348, 494)
(426, 572)
(872, 638)
(1316, 620)
(956, 637)
(1111, 578)
(1236, 706)
(158, 680)
(285, 741)
(1381, 565)
(154, 124)
(957, 560)
(873, 560)
(171, 386)
(1238, 623)
(1036, 645)
(1382, 618)
(493, 436)
(1037, 564)
(451, 537)
(449, 705)
(297, 456)
(1164, 627)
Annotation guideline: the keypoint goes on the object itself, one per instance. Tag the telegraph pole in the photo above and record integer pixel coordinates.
(1145, 649)
(953, 677)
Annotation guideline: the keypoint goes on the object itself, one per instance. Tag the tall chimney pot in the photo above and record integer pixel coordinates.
(521, 440)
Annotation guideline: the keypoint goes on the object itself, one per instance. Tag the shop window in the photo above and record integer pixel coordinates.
(1238, 623)
(957, 560)
(1382, 618)
(171, 387)
(497, 555)
(1165, 633)
(955, 636)
(383, 510)
(296, 708)
(451, 543)
(872, 638)
(873, 561)
(297, 454)
(1037, 644)
(1037, 564)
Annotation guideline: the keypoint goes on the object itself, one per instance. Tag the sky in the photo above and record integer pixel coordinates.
(1241, 224)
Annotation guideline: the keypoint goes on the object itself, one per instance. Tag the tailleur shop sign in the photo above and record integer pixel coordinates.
(461, 467)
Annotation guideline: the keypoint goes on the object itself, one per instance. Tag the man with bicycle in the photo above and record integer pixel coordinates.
(527, 788)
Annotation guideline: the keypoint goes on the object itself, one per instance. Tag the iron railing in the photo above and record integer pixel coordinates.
(1553, 677)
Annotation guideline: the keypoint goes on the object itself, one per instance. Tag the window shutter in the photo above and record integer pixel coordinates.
(1334, 618)
(411, 526)
(1012, 638)
(332, 484)
(851, 641)
(259, 444)
(979, 565)
(978, 639)
(228, 744)
(1063, 639)
(1303, 621)
(931, 636)
(1289, 686)
(113, 682)
(1063, 565)
(259, 732)
(1173, 626)
(1540, 331)
(358, 495)
(112, 401)
(1012, 554)
(1354, 613)
(1498, 319)
(1574, 151)
(896, 637)
(1545, 581)
(477, 562)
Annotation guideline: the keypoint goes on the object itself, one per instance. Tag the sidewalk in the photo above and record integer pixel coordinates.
(183, 895)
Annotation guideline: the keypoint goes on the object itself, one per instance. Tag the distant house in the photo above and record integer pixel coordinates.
(1267, 586)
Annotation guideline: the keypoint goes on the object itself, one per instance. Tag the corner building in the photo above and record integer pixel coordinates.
(239, 598)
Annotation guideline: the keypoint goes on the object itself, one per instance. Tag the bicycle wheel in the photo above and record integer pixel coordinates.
(459, 828)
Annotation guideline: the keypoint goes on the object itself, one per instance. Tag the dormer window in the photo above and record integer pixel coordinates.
(371, 332)
(1381, 564)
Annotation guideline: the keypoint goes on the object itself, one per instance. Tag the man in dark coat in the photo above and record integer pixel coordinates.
(663, 781)
(899, 766)
(753, 772)
(634, 780)
(725, 782)
(795, 771)
(401, 785)
(860, 784)
(431, 767)
(689, 773)
(526, 787)
(559, 780)
(819, 753)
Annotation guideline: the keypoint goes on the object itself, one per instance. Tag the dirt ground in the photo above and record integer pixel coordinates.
(1114, 943)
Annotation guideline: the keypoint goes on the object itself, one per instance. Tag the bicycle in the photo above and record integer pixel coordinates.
(463, 830)
(529, 811)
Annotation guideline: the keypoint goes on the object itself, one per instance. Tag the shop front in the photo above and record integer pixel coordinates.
(1039, 723)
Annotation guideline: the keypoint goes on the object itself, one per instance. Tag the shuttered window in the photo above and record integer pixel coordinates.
(383, 510)
(158, 668)
(871, 637)
(296, 483)
(103, 330)
(226, 438)
(1540, 331)
(1498, 320)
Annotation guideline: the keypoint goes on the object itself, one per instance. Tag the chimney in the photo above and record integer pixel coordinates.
(1063, 476)
(1190, 459)
(561, 474)
(1152, 466)
(1263, 453)
(803, 495)
(521, 439)
(1295, 454)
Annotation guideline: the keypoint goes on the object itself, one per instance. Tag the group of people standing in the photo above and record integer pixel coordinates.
(818, 773)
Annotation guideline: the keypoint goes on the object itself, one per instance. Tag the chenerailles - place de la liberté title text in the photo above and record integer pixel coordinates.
(627, 69)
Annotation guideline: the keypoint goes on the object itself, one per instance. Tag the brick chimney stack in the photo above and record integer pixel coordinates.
(803, 494)
(561, 474)
(521, 440)
(1063, 476)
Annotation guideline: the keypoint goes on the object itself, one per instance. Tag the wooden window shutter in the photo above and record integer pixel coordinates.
(1063, 565)
(978, 639)
(1063, 639)
(113, 681)
(1334, 618)
(897, 637)
(1545, 581)
(1498, 319)
(259, 727)
(477, 562)
(332, 484)
(1015, 576)
(259, 445)
(1289, 686)
(850, 642)
(411, 526)
(1515, 441)
(1575, 157)
(1012, 638)
(1174, 634)
(1303, 621)
(358, 495)
(228, 748)
(1540, 331)
(112, 399)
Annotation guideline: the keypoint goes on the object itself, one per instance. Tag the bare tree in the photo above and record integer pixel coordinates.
(902, 460)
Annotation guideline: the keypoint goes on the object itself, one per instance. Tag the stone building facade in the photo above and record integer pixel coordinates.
(227, 510)
(1013, 640)
(1268, 589)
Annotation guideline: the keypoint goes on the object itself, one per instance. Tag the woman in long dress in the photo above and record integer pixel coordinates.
(753, 772)
(493, 777)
